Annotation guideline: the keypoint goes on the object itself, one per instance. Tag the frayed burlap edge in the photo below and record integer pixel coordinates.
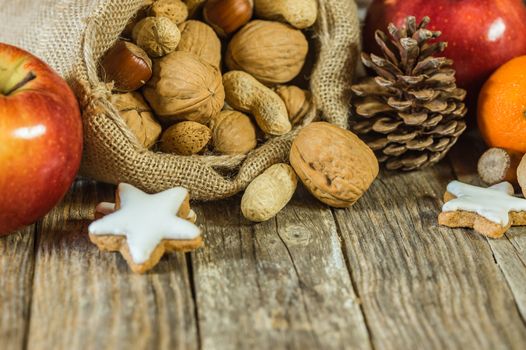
(112, 154)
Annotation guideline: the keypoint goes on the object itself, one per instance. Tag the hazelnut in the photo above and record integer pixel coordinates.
(271, 52)
(138, 117)
(175, 10)
(227, 16)
(185, 138)
(158, 36)
(233, 133)
(333, 163)
(127, 65)
(198, 38)
(297, 101)
(184, 87)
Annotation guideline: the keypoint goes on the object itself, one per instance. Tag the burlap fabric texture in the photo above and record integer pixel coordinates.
(72, 35)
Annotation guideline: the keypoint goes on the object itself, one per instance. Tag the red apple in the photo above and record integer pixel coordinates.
(40, 138)
(481, 34)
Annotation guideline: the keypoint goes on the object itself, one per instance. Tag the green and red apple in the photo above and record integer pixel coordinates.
(40, 138)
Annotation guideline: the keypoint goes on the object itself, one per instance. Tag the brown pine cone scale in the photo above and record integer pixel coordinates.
(411, 113)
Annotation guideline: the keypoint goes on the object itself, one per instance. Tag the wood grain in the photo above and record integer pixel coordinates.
(421, 285)
(86, 299)
(509, 251)
(16, 275)
(381, 275)
(275, 285)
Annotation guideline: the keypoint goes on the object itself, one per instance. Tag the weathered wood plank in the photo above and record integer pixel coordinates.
(510, 255)
(86, 299)
(274, 285)
(16, 277)
(509, 251)
(422, 285)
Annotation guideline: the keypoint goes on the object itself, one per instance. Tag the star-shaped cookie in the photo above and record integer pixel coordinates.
(144, 226)
(490, 211)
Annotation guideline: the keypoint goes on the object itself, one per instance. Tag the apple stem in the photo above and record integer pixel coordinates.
(29, 76)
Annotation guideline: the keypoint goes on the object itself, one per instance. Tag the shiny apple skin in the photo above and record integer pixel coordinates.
(481, 34)
(40, 143)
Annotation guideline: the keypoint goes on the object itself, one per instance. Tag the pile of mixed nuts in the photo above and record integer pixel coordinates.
(217, 84)
(168, 81)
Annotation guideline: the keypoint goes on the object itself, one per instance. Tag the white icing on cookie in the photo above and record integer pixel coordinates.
(493, 203)
(106, 208)
(146, 220)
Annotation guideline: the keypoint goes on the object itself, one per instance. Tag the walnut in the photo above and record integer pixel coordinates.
(298, 102)
(271, 52)
(200, 39)
(233, 133)
(175, 10)
(184, 87)
(158, 36)
(333, 163)
(138, 116)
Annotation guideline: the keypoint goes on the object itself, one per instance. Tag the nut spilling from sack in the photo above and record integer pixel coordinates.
(224, 77)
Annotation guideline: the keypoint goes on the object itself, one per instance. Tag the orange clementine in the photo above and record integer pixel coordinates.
(502, 107)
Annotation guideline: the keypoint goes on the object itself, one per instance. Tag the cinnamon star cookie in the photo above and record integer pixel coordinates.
(490, 211)
(142, 227)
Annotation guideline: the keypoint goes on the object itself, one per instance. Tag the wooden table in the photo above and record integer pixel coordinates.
(380, 275)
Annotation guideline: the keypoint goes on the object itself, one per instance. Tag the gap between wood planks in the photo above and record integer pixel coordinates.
(188, 257)
(84, 298)
(72, 280)
(274, 284)
(422, 284)
(269, 262)
(35, 233)
(16, 269)
(353, 281)
(418, 283)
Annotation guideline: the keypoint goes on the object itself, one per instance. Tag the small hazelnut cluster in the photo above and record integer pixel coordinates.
(207, 77)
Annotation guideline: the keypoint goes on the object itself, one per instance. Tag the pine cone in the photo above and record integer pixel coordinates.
(412, 112)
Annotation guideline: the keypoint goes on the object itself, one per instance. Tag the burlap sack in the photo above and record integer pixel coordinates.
(71, 35)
